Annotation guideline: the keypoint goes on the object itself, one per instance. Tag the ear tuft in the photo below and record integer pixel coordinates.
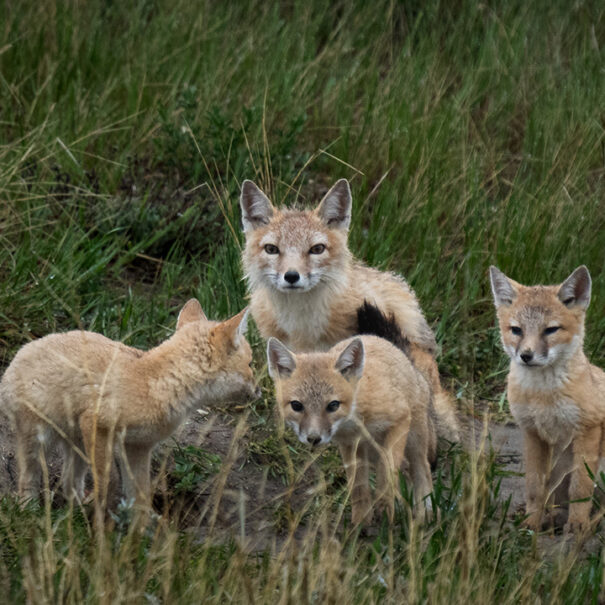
(191, 311)
(576, 289)
(281, 361)
(351, 361)
(502, 289)
(335, 208)
(256, 207)
(233, 330)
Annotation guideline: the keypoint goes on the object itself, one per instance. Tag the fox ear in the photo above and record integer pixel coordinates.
(281, 361)
(335, 208)
(191, 311)
(351, 361)
(502, 288)
(575, 290)
(233, 330)
(256, 207)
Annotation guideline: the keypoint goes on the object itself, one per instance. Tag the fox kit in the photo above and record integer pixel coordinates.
(555, 394)
(366, 395)
(306, 287)
(88, 392)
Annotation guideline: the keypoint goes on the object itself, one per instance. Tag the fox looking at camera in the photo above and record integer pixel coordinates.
(555, 394)
(365, 395)
(306, 286)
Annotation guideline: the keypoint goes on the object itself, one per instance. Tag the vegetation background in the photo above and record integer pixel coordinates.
(472, 134)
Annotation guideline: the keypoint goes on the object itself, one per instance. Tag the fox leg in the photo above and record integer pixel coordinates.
(98, 443)
(558, 488)
(74, 472)
(537, 455)
(28, 461)
(136, 473)
(586, 449)
(355, 460)
(389, 463)
(420, 470)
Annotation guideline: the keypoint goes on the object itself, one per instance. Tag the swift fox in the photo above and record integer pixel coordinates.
(306, 287)
(366, 395)
(555, 394)
(89, 394)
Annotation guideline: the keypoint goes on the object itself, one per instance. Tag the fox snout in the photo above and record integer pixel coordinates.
(314, 439)
(292, 276)
(527, 356)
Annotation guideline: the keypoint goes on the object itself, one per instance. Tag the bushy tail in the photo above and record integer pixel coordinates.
(371, 320)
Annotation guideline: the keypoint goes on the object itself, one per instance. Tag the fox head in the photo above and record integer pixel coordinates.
(315, 392)
(295, 251)
(223, 351)
(541, 325)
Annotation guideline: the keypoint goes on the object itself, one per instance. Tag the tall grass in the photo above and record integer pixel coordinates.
(472, 133)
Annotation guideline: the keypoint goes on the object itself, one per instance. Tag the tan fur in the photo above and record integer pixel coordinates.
(321, 310)
(555, 394)
(90, 393)
(382, 416)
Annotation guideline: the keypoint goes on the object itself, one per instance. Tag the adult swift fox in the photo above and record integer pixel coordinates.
(306, 287)
(367, 396)
(88, 392)
(555, 394)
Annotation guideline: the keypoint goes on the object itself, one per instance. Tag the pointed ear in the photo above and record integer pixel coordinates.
(256, 207)
(232, 331)
(335, 208)
(281, 361)
(575, 290)
(191, 311)
(502, 288)
(351, 361)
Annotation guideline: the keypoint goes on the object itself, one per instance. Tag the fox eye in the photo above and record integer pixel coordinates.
(297, 406)
(333, 406)
(551, 330)
(271, 249)
(516, 330)
(317, 249)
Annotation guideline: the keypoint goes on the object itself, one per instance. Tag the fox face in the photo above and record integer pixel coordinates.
(541, 325)
(295, 251)
(315, 392)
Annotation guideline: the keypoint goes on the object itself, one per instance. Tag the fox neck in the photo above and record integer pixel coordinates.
(179, 373)
(305, 316)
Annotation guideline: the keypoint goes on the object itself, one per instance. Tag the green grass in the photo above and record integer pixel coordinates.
(472, 133)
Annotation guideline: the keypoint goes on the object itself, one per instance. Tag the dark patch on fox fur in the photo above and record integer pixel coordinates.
(371, 320)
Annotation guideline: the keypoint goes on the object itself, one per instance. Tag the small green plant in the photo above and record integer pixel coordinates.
(193, 466)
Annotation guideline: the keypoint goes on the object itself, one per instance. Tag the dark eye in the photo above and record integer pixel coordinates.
(297, 406)
(516, 330)
(552, 330)
(271, 249)
(333, 406)
(317, 249)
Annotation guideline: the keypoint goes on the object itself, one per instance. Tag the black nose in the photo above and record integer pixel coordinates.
(291, 277)
(313, 439)
(527, 356)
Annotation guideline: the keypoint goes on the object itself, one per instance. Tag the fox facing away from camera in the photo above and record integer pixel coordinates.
(555, 394)
(306, 287)
(366, 396)
(95, 397)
